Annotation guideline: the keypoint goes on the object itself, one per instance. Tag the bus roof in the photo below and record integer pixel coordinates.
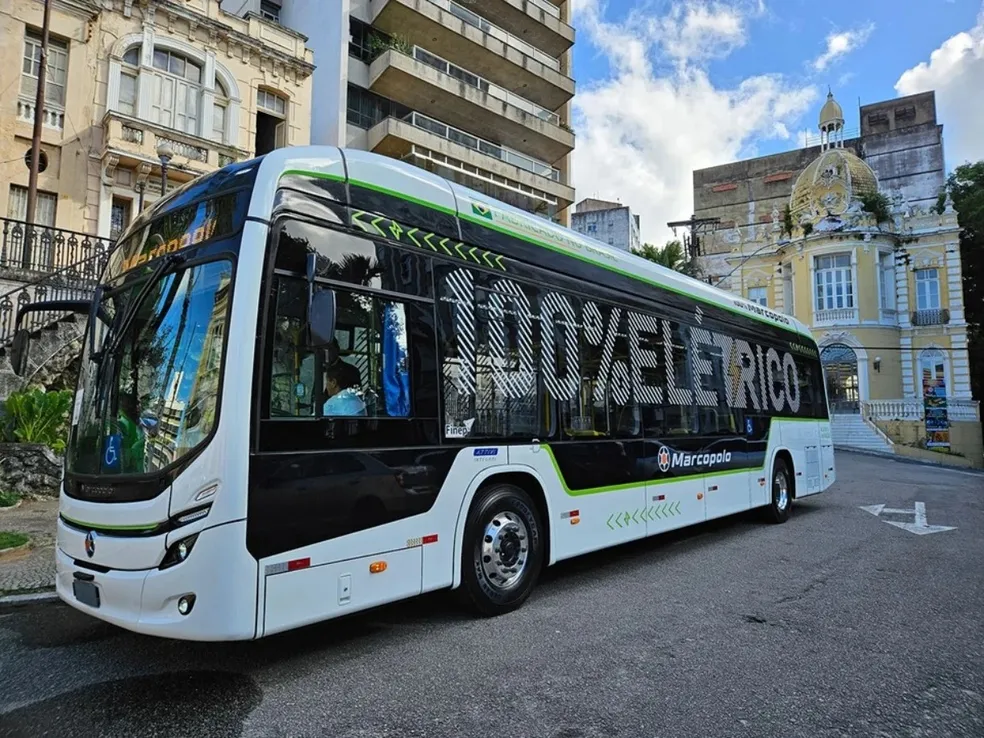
(413, 184)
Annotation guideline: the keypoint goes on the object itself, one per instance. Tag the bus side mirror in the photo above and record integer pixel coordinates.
(18, 351)
(321, 316)
(321, 309)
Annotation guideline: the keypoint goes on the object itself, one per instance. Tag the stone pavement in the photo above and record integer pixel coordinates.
(33, 568)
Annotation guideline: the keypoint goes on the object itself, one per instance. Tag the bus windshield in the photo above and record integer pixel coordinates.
(148, 394)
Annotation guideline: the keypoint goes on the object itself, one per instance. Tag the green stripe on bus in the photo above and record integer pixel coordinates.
(529, 239)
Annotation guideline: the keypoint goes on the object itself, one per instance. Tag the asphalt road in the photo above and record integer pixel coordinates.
(834, 624)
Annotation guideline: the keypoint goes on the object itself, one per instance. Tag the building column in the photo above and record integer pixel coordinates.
(959, 365)
(954, 282)
(145, 80)
(908, 374)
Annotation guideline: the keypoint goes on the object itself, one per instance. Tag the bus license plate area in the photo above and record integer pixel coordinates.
(86, 592)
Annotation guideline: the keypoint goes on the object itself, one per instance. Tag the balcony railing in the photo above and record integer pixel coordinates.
(837, 316)
(482, 146)
(912, 409)
(48, 250)
(53, 118)
(479, 83)
(59, 265)
(138, 137)
(938, 316)
(473, 19)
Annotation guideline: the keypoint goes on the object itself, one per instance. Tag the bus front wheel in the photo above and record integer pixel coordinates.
(502, 553)
(782, 492)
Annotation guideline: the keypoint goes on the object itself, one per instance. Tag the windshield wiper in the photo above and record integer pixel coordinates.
(167, 263)
(107, 370)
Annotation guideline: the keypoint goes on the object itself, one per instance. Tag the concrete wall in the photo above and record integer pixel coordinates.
(909, 437)
(614, 226)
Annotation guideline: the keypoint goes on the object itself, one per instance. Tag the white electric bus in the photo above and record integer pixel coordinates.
(324, 380)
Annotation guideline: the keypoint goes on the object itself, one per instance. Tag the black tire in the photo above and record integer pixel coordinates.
(507, 515)
(779, 509)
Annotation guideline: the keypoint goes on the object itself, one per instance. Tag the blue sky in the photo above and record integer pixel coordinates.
(668, 86)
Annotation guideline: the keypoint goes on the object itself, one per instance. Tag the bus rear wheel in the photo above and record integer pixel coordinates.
(782, 493)
(502, 553)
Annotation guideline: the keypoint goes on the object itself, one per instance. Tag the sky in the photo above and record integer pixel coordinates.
(665, 87)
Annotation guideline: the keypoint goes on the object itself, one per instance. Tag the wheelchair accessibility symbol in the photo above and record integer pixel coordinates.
(111, 454)
(748, 426)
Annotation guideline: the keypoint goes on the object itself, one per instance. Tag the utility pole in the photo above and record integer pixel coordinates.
(32, 186)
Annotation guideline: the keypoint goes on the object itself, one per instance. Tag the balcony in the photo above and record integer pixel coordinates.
(51, 117)
(485, 49)
(426, 81)
(135, 142)
(537, 22)
(505, 174)
(837, 316)
(936, 316)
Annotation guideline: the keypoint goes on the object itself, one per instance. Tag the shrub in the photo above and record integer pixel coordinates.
(8, 499)
(12, 540)
(34, 416)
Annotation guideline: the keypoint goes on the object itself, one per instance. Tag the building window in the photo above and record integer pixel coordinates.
(271, 122)
(44, 212)
(592, 227)
(119, 218)
(932, 372)
(129, 71)
(177, 91)
(57, 69)
(834, 282)
(220, 112)
(886, 271)
(366, 109)
(270, 10)
(359, 35)
(758, 295)
(927, 289)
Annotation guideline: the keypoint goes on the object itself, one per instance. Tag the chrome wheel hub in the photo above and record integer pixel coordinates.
(782, 490)
(504, 549)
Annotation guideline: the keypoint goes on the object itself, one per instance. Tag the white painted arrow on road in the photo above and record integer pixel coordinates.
(919, 526)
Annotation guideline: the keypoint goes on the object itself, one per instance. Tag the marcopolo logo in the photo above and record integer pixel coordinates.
(667, 459)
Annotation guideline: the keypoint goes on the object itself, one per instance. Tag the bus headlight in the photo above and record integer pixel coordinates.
(178, 552)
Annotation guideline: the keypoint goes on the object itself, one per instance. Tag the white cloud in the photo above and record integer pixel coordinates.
(956, 71)
(643, 131)
(841, 43)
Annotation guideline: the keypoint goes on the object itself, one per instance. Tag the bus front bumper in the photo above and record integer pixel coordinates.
(218, 573)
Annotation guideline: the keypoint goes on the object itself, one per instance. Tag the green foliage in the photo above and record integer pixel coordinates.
(380, 43)
(12, 540)
(671, 255)
(878, 205)
(34, 416)
(8, 499)
(807, 229)
(787, 222)
(966, 187)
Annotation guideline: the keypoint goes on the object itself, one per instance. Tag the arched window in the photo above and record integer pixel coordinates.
(932, 372)
(176, 91)
(170, 83)
(220, 112)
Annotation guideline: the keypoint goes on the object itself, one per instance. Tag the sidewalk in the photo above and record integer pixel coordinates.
(34, 568)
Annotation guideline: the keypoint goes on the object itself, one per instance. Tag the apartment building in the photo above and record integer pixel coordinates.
(478, 92)
(134, 88)
(608, 222)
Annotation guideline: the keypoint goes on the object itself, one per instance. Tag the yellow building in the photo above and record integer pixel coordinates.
(883, 295)
(129, 81)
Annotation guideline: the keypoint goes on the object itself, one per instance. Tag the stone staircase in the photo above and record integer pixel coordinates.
(850, 430)
(52, 359)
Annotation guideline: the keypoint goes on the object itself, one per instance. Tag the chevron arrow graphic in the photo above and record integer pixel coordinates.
(610, 526)
(410, 236)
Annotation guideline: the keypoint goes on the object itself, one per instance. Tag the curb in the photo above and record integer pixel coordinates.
(31, 598)
(909, 460)
(11, 508)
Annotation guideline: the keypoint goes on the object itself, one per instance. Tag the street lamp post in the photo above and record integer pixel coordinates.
(165, 154)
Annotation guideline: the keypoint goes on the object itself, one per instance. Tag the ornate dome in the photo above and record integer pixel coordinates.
(829, 184)
(831, 113)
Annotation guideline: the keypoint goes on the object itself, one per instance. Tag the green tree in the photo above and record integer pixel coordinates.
(966, 188)
(671, 255)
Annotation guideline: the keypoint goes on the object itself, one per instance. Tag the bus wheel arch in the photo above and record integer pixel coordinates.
(782, 487)
(503, 544)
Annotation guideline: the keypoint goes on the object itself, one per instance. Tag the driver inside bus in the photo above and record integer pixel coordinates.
(342, 381)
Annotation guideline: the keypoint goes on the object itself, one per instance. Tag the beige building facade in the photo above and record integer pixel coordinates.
(129, 80)
(878, 279)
